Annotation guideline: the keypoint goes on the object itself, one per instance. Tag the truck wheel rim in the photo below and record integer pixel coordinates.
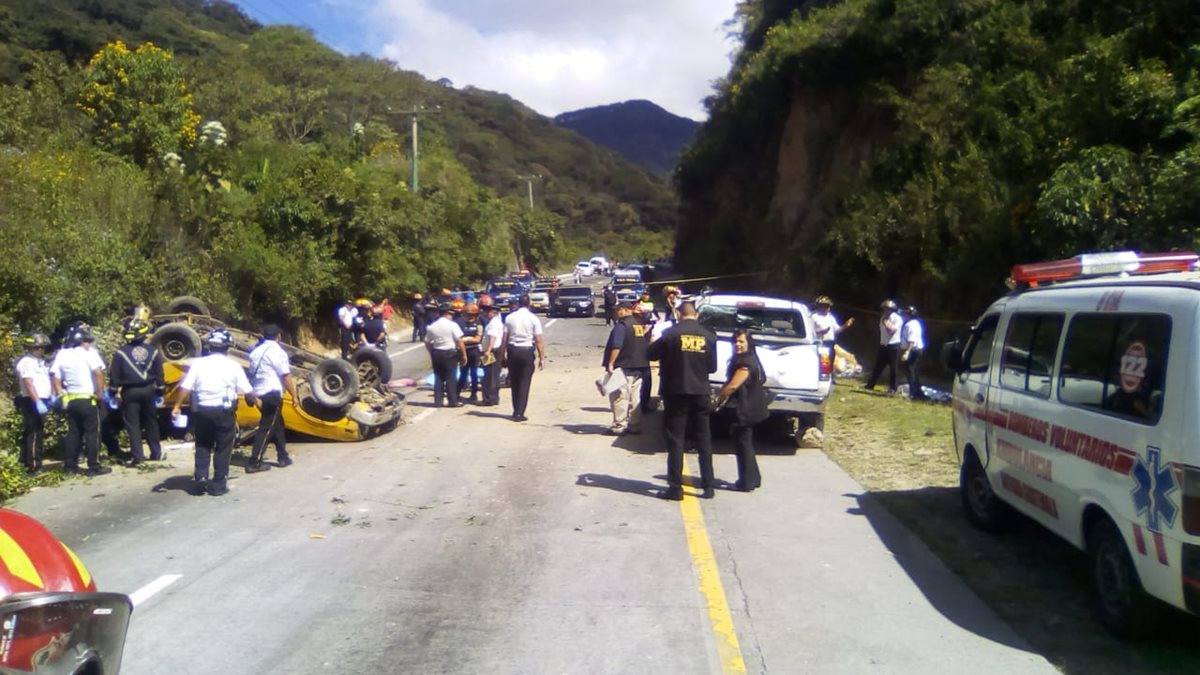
(333, 383)
(174, 349)
(980, 493)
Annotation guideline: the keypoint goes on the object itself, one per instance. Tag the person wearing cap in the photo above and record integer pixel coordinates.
(34, 399)
(136, 375)
(213, 384)
(522, 337)
(472, 331)
(491, 350)
(610, 303)
(912, 345)
(889, 346)
(270, 376)
(77, 377)
(345, 316)
(626, 353)
(418, 318)
(444, 340)
(825, 322)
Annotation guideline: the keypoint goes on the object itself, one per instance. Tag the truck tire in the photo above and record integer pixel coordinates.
(1121, 603)
(186, 304)
(374, 366)
(979, 501)
(334, 383)
(176, 341)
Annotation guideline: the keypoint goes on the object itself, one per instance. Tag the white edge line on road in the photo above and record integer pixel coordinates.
(145, 592)
(551, 322)
(406, 350)
(420, 416)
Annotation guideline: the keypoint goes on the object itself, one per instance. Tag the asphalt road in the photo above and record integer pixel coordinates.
(464, 542)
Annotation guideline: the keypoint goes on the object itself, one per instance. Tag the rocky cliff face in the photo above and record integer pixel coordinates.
(827, 136)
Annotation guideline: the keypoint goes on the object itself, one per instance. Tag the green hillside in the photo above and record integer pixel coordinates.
(261, 170)
(866, 148)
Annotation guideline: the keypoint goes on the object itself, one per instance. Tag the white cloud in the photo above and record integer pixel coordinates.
(560, 55)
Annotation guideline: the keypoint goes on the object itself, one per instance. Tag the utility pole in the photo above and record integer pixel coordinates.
(529, 178)
(415, 113)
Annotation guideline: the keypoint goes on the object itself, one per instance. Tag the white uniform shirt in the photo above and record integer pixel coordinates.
(443, 334)
(346, 316)
(889, 329)
(31, 367)
(914, 335)
(493, 334)
(522, 327)
(826, 326)
(215, 382)
(659, 328)
(74, 367)
(268, 365)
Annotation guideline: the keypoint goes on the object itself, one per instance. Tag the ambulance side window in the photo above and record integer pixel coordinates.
(1116, 364)
(1029, 349)
(978, 353)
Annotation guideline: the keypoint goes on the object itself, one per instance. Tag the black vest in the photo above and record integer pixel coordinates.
(633, 350)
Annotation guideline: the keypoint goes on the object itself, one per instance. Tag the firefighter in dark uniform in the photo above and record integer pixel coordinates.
(472, 330)
(136, 375)
(610, 304)
(418, 318)
(213, 382)
(686, 354)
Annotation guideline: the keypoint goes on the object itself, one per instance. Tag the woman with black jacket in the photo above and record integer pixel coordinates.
(744, 396)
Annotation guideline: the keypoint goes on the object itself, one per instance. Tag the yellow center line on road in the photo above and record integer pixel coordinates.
(709, 583)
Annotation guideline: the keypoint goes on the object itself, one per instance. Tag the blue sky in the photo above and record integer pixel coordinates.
(553, 55)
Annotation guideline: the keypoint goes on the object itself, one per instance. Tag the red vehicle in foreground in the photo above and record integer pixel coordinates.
(52, 620)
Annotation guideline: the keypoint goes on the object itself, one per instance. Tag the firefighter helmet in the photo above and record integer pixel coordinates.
(51, 617)
(136, 330)
(35, 340)
(218, 339)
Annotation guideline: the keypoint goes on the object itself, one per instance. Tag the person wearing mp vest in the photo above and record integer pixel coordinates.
(136, 374)
(270, 375)
(889, 346)
(686, 355)
(33, 402)
(213, 383)
(77, 377)
(625, 358)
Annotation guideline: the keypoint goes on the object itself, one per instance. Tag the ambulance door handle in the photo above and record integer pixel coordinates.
(979, 398)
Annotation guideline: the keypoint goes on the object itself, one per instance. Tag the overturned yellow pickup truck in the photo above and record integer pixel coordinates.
(340, 400)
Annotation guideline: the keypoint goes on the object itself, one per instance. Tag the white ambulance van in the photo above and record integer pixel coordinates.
(1077, 403)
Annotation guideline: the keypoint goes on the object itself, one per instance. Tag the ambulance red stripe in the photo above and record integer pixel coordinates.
(1160, 547)
(1139, 538)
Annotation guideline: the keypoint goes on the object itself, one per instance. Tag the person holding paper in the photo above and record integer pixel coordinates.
(625, 359)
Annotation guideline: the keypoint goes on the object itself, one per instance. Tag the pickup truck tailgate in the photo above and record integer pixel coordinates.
(788, 365)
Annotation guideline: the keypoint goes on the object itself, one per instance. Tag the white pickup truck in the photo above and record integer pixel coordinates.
(799, 369)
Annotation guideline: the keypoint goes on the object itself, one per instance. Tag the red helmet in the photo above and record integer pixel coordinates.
(51, 617)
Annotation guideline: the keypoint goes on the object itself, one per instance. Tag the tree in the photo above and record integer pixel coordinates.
(138, 103)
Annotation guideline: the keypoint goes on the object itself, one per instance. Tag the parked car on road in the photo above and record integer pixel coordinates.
(503, 291)
(584, 268)
(573, 301)
(600, 264)
(799, 369)
(539, 297)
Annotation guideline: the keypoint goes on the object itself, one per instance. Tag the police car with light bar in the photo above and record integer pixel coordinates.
(799, 369)
(1075, 402)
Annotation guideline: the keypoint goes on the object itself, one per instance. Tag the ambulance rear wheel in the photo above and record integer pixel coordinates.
(1121, 603)
(980, 503)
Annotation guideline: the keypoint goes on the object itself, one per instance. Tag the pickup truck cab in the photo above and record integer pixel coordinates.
(798, 368)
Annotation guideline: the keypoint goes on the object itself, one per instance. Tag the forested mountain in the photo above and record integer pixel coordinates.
(641, 131)
(157, 147)
(866, 148)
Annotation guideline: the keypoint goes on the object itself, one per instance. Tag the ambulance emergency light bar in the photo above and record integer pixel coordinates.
(1098, 264)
